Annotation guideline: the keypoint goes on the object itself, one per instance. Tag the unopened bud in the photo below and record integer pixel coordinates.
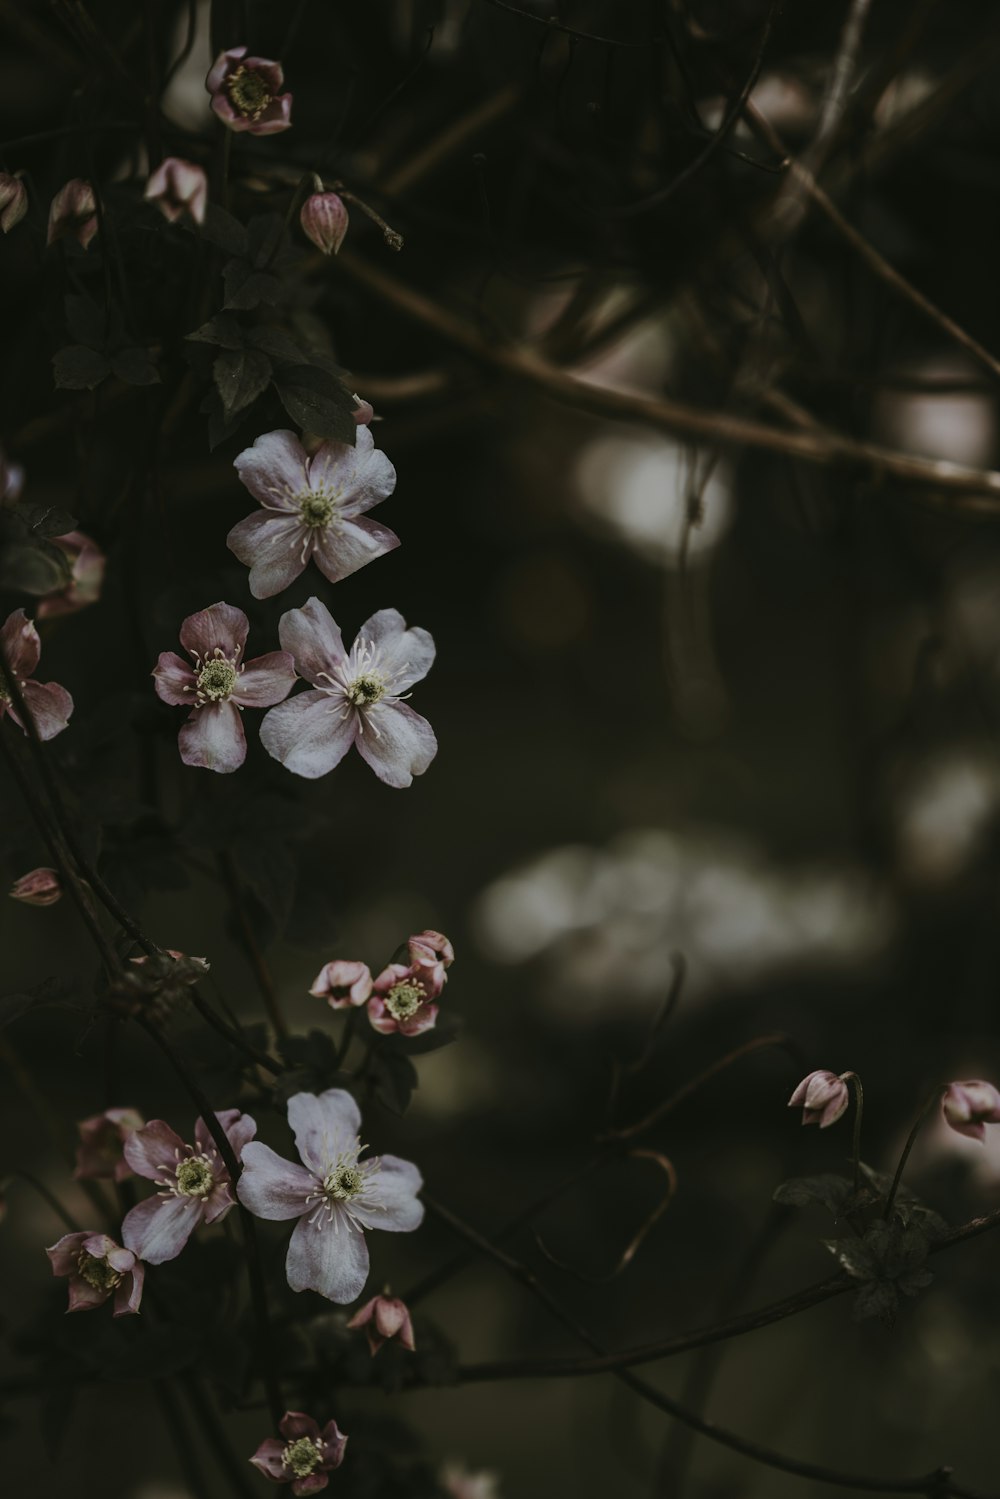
(324, 220)
(74, 213)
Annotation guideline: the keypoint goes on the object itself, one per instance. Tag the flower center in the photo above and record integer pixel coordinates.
(195, 1177)
(343, 1183)
(217, 679)
(97, 1272)
(303, 1456)
(317, 508)
(366, 690)
(248, 92)
(404, 1000)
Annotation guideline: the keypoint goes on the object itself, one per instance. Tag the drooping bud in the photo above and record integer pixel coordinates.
(41, 887)
(382, 1318)
(13, 201)
(178, 187)
(343, 984)
(324, 220)
(73, 213)
(969, 1107)
(822, 1096)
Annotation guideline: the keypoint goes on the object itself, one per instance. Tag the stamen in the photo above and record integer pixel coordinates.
(248, 92)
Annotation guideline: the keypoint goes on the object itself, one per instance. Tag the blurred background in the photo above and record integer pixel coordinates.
(691, 700)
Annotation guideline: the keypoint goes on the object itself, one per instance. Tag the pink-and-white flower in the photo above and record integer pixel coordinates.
(178, 187)
(334, 1194)
(87, 563)
(49, 705)
(219, 685)
(40, 887)
(246, 93)
(343, 984)
(98, 1268)
(324, 220)
(382, 1318)
(195, 1186)
(312, 509)
(305, 1457)
(73, 213)
(13, 201)
(969, 1107)
(822, 1096)
(357, 697)
(101, 1151)
(404, 996)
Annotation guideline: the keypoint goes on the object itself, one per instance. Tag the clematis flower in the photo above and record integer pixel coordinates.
(13, 201)
(245, 93)
(49, 704)
(970, 1107)
(41, 887)
(100, 1152)
(73, 213)
(178, 187)
(404, 995)
(324, 221)
(219, 686)
(334, 1195)
(194, 1183)
(312, 508)
(305, 1457)
(357, 697)
(382, 1318)
(98, 1268)
(343, 984)
(87, 563)
(822, 1097)
(11, 480)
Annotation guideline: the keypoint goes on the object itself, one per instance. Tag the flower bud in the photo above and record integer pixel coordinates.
(363, 412)
(343, 984)
(39, 888)
(13, 201)
(382, 1318)
(73, 212)
(822, 1096)
(324, 220)
(100, 1152)
(178, 187)
(87, 563)
(969, 1107)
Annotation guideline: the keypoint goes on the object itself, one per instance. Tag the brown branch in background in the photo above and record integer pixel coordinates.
(620, 1069)
(627, 1255)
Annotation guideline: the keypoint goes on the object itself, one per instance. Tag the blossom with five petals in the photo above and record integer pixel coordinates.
(98, 1268)
(49, 704)
(306, 1455)
(245, 93)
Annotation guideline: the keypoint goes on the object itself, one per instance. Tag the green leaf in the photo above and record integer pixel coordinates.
(135, 366)
(276, 342)
(247, 288)
(223, 329)
(317, 402)
(830, 1190)
(79, 368)
(240, 376)
(223, 230)
(44, 520)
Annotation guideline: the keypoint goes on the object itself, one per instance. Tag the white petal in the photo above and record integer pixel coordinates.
(272, 1187)
(309, 734)
(397, 743)
(392, 1202)
(330, 1257)
(324, 1125)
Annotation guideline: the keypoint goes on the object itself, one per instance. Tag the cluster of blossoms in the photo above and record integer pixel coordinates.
(402, 997)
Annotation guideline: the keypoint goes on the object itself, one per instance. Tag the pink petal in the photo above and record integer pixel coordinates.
(362, 475)
(267, 1460)
(274, 547)
(406, 656)
(154, 1150)
(219, 1202)
(275, 469)
(311, 1484)
(267, 680)
(220, 627)
(175, 681)
(423, 1020)
(392, 1203)
(239, 1130)
(309, 734)
(129, 1294)
(64, 1254)
(272, 1187)
(323, 1125)
(396, 742)
(83, 1297)
(314, 639)
(50, 707)
(328, 1257)
(20, 646)
(343, 550)
(295, 1424)
(213, 738)
(223, 65)
(277, 116)
(157, 1229)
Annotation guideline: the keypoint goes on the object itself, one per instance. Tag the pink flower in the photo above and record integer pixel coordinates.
(324, 220)
(97, 1268)
(39, 888)
(12, 480)
(822, 1097)
(73, 213)
(969, 1107)
(178, 187)
(245, 93)
(86, 576)
(305, 1457)
(357, 697)
(219, 686)
(382, 1318)
(343, 984)
(194, 1183)
(403, 995)
(432, 950)
(49, 704)
(13, 201)
(312, 508)
(100, 1152)
(334, 1195)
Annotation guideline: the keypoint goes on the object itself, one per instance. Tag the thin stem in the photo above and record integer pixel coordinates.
(234, 1036)
(859, 1109)
(910, 1142)
(350, 1026)
(256, 958)
(50, 1198)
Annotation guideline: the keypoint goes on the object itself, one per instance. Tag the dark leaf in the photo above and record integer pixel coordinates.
(317, 402)
(78, 368)
(44, 520)
(33, 567)
(395, 1079)
(277, 343)
(224, 231)
(247, 288)
(223, 329)
(830, 1190)
(221, 427)
(241, 375)
(877, 1298)
(135, 366)
(263, 234)
(447, 1030)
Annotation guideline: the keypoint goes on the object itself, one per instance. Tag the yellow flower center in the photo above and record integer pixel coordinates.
(97, 1272)
(248, 92)
(195, 1177)
(404, 1000)
(303, 1456)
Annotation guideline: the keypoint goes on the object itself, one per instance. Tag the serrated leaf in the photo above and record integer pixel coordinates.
(247, 288)
(831, 1190)
(78, 368)
(240, 376)
(223, 230)
(221, 426)
(317, 402)
(135, 366)
(42, 519)
(223, 329)
(276, 342)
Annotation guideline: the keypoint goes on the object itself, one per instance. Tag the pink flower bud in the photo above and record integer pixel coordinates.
(343, 984)
(87, 563)
(13, 201)
(74, 213)
(382, 1318)
(969, 1107)
(101, 1151)
(822, 1097)
(178, 187)
(363, 412)
(324, 220)
(39, 888)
